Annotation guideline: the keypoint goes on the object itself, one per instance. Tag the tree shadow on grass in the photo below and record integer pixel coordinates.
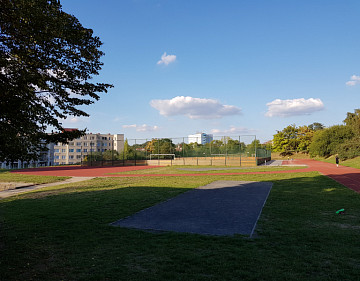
(67, 236)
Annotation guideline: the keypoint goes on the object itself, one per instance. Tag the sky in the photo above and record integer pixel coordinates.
(221, 67)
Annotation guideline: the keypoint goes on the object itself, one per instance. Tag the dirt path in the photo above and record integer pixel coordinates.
(349, 177)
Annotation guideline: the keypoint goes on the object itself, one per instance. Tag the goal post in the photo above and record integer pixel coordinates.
(172, 156)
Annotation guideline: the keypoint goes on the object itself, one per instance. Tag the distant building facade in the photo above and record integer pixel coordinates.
(46, 158)
(73, 152)
(200, 138)
(76, 150)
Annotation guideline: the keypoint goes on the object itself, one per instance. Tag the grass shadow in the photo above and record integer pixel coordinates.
(66, 235)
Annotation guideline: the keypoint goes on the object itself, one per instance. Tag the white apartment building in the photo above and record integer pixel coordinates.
(75, 151)
(200, 138)
(46, 158)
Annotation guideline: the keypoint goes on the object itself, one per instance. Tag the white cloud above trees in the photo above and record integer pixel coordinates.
(232, 131)
(194, 108)
(294, 107)
(141, 128)
(167, 59)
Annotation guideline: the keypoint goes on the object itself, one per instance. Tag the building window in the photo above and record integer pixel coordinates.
(71, 156)
(78, 156)
(85, 138)
(71, 150)
(57, 157)
(63, 150)
(78, 150)
(78, 143)
(85, 150)
(63, 157)
(56, 150)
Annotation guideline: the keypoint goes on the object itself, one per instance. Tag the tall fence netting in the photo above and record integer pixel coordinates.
(135, 151)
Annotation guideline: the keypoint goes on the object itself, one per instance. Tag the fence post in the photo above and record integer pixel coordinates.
(240, 149)
(135, 152)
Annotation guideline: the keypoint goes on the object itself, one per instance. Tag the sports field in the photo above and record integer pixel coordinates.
(63, 232)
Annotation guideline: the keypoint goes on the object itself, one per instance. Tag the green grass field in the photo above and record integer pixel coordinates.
(7, 176)
(63, 233)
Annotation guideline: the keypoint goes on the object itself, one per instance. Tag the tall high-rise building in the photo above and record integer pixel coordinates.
(200, 138)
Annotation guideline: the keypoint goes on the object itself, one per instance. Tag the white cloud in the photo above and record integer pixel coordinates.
(141, 128)
(166, 59)
(194, 108)
(286, 108)
(72, 120)
(354, 80)
(233, 131)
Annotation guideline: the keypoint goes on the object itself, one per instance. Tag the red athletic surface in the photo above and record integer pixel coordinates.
(349, 177)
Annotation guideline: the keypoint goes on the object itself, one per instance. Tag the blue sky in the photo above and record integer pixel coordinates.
(224, 67)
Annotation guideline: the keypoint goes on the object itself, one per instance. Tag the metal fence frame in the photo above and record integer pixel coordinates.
(136, 151)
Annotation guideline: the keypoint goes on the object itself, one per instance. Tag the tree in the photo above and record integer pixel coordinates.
(160, 146)
(253, 146)
(110, 155)
(286, 141)
(47, 59)
(327, 141)
(353, 121)
(316, 126)
(305, 135)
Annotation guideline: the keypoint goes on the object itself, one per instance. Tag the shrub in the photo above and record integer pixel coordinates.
(326, 142)
(349, 149)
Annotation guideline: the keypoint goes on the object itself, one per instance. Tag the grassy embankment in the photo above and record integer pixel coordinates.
(354, 163)
(63, 233)
(7, 176)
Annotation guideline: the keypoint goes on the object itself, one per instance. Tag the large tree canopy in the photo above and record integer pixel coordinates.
(47, 59)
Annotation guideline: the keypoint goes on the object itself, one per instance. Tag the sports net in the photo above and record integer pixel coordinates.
(217, 150)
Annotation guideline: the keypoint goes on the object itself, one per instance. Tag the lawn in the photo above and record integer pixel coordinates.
(7, 176)
(63, 233)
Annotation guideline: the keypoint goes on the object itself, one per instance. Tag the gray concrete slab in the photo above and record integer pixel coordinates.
(219, 208)
(273, 163)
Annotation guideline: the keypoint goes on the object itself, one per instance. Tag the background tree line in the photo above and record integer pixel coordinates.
(317, 140)
(222, 147)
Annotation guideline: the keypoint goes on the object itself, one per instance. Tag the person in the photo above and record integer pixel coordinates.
(337, 161)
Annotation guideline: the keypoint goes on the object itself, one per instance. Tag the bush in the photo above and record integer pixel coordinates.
(326, 142)
(349, 149)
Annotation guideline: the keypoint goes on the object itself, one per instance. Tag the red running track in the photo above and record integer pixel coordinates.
(349, 177)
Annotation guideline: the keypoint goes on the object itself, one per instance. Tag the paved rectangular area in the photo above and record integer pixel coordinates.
(219, 208)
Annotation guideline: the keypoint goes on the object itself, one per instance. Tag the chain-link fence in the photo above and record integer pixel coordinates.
(219, 150)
